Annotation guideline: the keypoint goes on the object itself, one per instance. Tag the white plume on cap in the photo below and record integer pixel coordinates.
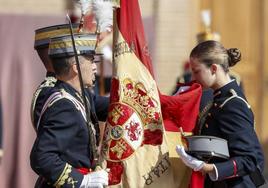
(107, 52)
(85, 5)
(104, 14)
(102, 9)
(206, 18)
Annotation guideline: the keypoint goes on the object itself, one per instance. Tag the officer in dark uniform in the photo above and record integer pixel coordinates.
(64, 152)
(229, 117)
(42, 38)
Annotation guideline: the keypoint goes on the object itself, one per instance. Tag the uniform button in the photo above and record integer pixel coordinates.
(209, 114)
(215, 104)
(206, 125)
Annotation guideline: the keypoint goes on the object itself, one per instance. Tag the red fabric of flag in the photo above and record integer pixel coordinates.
(130, 25)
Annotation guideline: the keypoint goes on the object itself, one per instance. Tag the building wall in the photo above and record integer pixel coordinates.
(176, 26)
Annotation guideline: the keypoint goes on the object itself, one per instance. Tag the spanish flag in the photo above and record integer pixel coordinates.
(135, 145)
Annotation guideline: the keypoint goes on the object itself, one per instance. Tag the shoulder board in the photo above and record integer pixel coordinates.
(234, 95)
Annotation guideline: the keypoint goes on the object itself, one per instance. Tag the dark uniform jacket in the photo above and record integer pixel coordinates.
(62, 144)
(231, 118)
(100, 107)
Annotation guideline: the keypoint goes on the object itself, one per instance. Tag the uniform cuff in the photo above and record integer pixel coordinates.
(214, 175)
(70, 177)
(226, 169)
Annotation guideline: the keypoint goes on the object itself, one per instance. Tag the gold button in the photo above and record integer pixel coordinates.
(209, 114)
(215, 104)
(206, 125)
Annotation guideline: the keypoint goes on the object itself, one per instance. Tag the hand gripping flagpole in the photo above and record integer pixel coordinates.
(90, 125)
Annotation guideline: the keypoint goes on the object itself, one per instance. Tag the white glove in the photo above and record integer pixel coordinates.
(97, 179)
(188, 160)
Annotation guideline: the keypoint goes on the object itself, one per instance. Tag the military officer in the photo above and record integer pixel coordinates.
(230, 117)
(42, 38)
(64, 151)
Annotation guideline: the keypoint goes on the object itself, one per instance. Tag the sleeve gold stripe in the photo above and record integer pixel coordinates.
(64, 176)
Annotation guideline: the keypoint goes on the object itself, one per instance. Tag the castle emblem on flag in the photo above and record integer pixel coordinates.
(124, 133)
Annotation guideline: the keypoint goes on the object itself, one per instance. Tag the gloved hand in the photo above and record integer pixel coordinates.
(188, 160)
(97, 179)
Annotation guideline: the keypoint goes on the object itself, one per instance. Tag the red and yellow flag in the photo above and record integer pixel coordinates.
(135, 144)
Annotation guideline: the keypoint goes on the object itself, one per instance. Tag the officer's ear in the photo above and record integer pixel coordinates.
(73, 69)
(213, 68)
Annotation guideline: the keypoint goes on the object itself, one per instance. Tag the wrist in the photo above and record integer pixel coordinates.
(208, 168)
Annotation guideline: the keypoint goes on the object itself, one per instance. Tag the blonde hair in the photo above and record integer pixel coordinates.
(213, 52)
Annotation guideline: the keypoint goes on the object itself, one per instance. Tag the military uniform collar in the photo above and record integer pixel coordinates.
(224, 90)
(67, 87)
(50, 74)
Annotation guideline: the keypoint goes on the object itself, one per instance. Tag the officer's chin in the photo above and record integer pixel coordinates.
(93, 83)
(90, 85)
(94, 80)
